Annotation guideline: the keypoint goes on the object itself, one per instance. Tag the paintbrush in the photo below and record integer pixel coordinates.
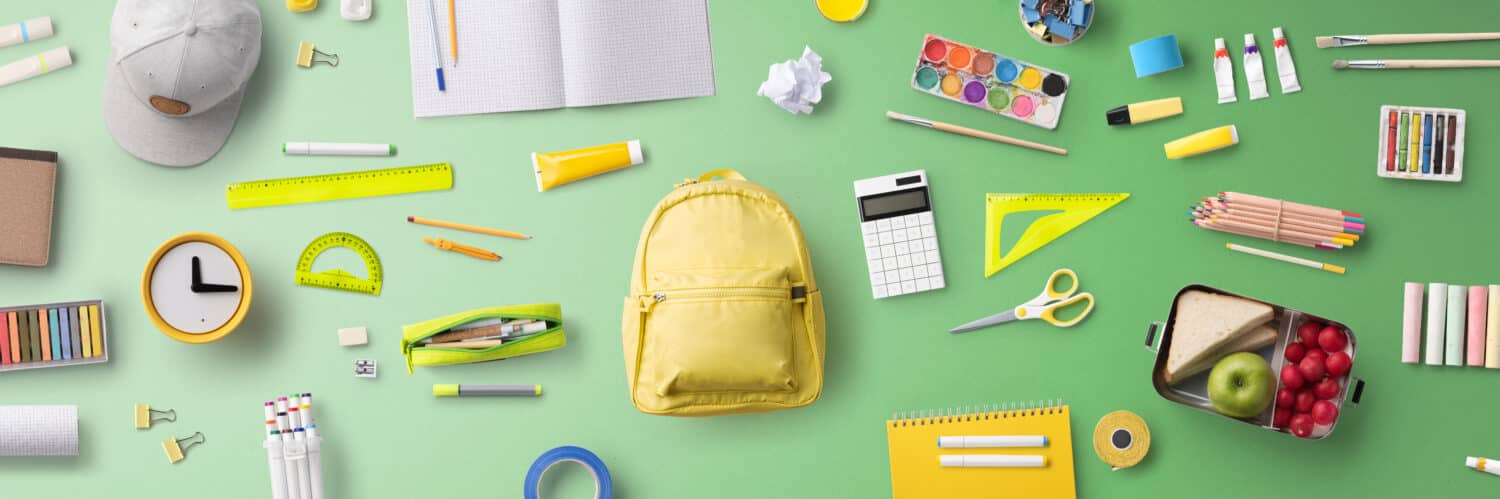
(1353, 40)
(1416, 64)
(970, 132)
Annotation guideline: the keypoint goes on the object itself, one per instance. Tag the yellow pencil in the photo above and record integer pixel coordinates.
(453, 32)
(470, 228)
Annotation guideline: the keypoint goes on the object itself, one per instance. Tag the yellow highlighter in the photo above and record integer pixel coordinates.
(1202, 142)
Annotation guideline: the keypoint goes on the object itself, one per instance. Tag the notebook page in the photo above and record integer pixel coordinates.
(509, 57)
(618, 51)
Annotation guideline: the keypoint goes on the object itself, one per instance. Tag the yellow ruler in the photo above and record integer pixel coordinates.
(361, 184)
(1075, 210)
(340, 279)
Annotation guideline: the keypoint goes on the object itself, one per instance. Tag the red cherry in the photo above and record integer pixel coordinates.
(1324, 412)
(1338, 364)
(1305, 399)
(1281, 417)
(1291, 377)
(1326, 389)
(1285, 397)
(1332, 339)
(1294, 352)
(1308, 333)
(1311, 367)
(1302, 425)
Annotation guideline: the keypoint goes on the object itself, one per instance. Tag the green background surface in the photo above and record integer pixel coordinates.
(389, 437)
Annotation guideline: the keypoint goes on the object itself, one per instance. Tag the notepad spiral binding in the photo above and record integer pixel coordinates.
(979, 413)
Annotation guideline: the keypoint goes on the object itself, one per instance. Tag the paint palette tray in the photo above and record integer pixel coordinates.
(1421, 143)
(1009, 87)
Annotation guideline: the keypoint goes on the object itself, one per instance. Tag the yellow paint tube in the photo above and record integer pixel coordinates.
(558, 168)
(1202, 142)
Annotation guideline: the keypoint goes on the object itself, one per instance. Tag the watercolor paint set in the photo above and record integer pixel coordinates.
(1009, 87)
(1421, 143)
(53, 335)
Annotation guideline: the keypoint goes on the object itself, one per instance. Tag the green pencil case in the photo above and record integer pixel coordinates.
(551, 338)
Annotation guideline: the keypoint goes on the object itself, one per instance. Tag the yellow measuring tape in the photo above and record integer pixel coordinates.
(361, 184)
(340, 279)
(1075, 210)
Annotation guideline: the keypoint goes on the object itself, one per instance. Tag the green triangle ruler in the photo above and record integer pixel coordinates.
(1075, 210)
(341, 280)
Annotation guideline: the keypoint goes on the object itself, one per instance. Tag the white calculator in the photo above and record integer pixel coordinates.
(901, 245)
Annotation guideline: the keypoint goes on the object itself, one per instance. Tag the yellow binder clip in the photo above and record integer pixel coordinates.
(306, 53)
(145, 415)
(174, 446)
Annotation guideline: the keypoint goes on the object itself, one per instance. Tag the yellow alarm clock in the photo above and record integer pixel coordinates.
(196, 288)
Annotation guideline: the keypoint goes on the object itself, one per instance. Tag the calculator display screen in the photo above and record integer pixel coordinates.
(893, 204)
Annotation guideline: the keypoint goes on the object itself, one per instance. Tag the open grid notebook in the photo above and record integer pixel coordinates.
(519, 55)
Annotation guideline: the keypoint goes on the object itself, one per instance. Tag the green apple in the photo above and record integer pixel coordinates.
(1241, 385)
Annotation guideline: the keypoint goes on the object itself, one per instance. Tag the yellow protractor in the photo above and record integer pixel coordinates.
(341, 280)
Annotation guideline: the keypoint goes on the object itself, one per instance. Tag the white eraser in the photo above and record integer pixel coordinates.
(352, 336)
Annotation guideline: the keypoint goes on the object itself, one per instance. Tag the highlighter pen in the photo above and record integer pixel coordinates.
(1142, 112)
(1416, 122)
(1426, 143)
(1437, 147)
(1482, 464)
(1452, 137)
(1401, 142)
(1390, 143)
(472, 390)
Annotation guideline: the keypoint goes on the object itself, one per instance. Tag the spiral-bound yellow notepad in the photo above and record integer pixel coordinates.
(916, 472)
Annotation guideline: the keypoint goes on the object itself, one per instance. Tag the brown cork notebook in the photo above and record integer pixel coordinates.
(27, 180)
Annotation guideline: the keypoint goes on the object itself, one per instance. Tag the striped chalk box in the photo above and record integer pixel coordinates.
(52, 335)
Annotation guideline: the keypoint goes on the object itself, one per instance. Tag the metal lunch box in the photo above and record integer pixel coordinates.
(1193, 392)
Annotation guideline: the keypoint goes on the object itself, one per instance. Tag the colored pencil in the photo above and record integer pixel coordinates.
(970, 132)
(1293, 240)
(465, 227)
(1286, 258)
(1254, 219)
(453, 32)
(1287, 205)
(1329, 222)
(1273, 234)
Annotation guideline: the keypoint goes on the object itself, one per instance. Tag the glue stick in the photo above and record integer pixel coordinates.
(558, 168)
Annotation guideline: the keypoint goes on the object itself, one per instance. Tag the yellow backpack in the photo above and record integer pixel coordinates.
(723, 315)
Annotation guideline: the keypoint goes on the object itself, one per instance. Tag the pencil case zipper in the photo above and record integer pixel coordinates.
(651, 300)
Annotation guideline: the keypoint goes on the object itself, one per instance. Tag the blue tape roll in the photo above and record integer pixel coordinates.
(603, 486)
(1156, 55)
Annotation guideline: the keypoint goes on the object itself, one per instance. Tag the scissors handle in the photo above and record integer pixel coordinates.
(1049, 312)
(1052, 293)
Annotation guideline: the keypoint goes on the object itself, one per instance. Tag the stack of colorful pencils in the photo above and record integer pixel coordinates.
(1277, 220)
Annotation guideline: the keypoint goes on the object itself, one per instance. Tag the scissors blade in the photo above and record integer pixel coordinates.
(1002, 317)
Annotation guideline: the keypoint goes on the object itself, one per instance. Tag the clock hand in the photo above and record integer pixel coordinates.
(199, 287)
(197, 274)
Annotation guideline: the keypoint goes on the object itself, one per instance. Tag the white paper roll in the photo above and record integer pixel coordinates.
(38, 430)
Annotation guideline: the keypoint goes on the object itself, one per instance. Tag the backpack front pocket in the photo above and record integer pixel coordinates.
(720, 330)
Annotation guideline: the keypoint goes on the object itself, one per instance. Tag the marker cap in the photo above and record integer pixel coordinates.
(445, 390)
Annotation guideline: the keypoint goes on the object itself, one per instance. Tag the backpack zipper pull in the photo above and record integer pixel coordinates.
(648, 301)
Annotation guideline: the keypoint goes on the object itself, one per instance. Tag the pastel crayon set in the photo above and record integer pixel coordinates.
(1009, 87)
(53, 335)
(1421, 143)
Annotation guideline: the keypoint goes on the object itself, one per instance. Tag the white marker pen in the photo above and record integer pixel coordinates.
(1255, 71)
(25, 31)
(1285, 69)
(1223, 72)
(1482, 464)
(991, 461)
(336, 149)
(991, 441)
(37, 65)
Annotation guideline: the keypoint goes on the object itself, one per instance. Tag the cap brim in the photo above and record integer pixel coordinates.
(160, 139)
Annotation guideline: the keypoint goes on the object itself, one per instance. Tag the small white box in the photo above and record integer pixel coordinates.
(351, 336)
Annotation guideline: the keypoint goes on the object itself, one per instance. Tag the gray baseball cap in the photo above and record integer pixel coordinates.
(177, 75)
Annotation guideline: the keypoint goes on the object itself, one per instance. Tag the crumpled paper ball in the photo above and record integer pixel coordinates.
(796, 85)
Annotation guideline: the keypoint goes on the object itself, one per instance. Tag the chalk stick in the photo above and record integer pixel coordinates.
(1478, 296)
(1492, 329)
(96, 335)
(1411, 324)
(1454, 353)
(1437, 305)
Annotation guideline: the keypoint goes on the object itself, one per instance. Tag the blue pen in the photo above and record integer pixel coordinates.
(437, 49)
(1426, 143)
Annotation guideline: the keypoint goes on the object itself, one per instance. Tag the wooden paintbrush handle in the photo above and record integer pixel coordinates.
(978, 134)
(1441, 63)
(1429, 38)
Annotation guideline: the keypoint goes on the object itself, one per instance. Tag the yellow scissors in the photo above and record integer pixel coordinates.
(1043, 307)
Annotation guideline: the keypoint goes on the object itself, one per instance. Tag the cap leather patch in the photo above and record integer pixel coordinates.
(170, 106)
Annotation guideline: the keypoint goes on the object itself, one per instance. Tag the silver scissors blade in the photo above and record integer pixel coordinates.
(1002, 317)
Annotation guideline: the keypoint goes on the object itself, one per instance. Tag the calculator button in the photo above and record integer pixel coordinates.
(907, 275)
(892, 277)
(930, 243)
(923, 285)
(934, 269)
(875, 265)
(903, 261)
(885, 238)
(899, 236)
(893, 289)
(936, 281)
(868, 228)
(901, 249)
(880, 292)
(919, 258)
(883, 225)
(898, 223)
(877, 278)
(888, 251)
(889, 263)
(925, 217)
(932, 257)
(908, 287)
(914, 246)
(913, 232)
(912, 220)
(928, 231)
(872, 240)
(919, 271)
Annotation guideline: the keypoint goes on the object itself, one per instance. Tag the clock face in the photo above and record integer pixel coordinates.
(196, 287)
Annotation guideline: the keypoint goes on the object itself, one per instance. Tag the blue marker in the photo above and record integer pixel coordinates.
(1426, 143)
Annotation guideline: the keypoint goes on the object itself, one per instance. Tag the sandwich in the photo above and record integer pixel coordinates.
(1208, 326)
